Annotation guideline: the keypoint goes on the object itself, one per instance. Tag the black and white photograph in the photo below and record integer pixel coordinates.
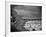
(25, 18)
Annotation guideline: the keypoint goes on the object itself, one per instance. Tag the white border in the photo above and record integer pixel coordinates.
(21, 34)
